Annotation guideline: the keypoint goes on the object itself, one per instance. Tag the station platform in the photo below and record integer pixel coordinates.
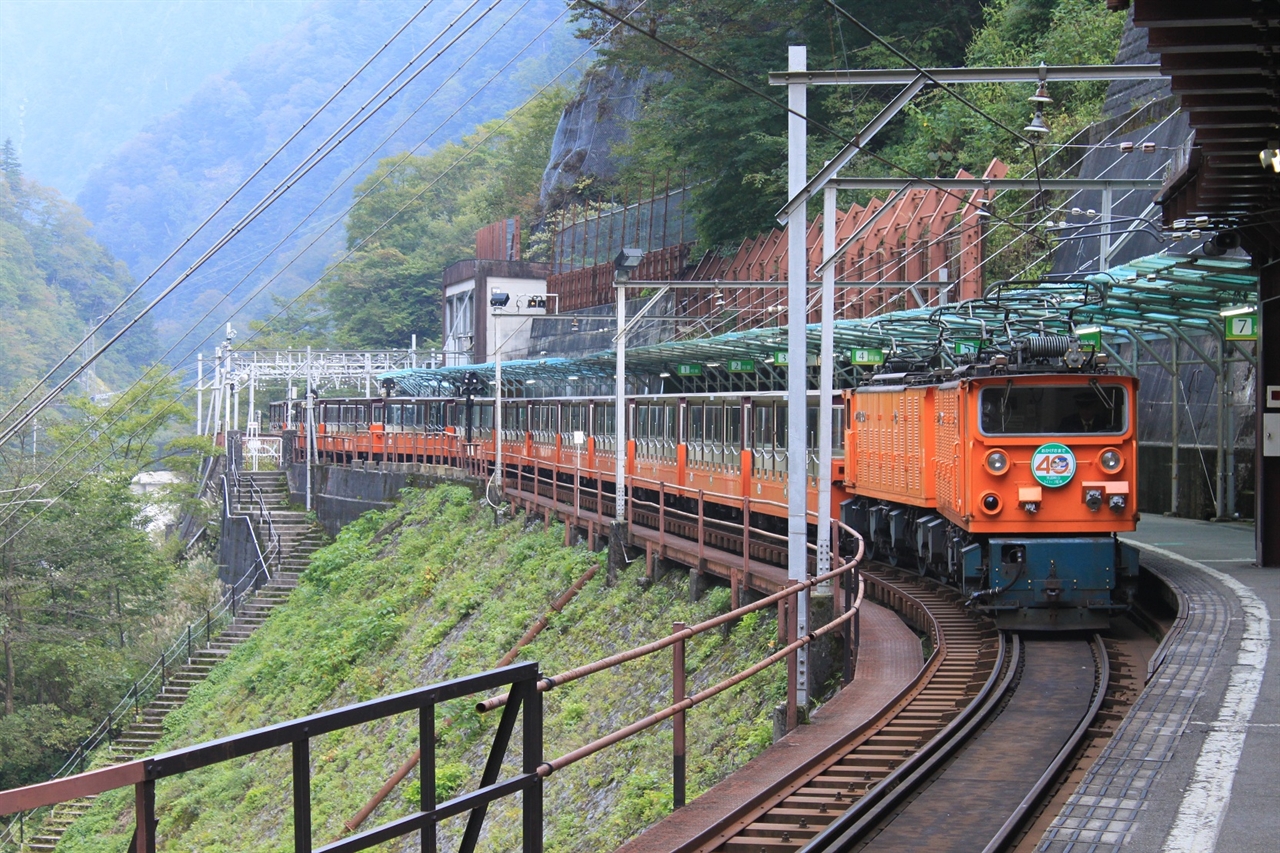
(1193, 766)
(889, 657)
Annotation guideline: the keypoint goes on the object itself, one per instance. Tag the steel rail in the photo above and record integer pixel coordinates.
(1006, 832)
(874, 806)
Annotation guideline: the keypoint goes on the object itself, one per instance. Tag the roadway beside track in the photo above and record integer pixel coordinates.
(1192, 766)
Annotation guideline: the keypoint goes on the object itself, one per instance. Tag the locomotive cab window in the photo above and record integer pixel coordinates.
(1053, 409)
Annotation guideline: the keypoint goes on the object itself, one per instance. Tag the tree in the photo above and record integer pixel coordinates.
(731, 141)
(10, 166)
(415, 218)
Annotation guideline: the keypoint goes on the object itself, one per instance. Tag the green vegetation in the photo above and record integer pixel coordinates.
(445, 593)
(734, 141)
(87, 597)
(54, 280)
(390, 287)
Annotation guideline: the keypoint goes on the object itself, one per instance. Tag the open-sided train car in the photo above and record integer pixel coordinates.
(1007, 480)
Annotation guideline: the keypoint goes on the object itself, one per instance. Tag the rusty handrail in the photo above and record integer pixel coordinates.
(546, 683)
(404, 769)
(549, 767)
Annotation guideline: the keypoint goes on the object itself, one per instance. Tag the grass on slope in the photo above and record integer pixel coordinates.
(429, 590)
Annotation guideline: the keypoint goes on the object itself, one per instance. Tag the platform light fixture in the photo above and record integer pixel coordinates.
(1237, 310)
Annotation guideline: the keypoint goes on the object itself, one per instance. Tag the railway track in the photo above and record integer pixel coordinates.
(966, 649)
(958, 762)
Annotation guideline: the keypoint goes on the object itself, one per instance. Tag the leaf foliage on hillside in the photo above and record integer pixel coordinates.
(444, 595)
(54, 280)
(413, 217)
(733, 142)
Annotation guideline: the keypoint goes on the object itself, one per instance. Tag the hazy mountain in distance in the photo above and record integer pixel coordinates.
(160, 184)
(80, 77)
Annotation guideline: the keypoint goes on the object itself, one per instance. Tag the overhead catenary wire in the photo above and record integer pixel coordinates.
(809, 120)
(263, 204)
(217, 209)
(372, 233)
(89, 427)
(338, 217)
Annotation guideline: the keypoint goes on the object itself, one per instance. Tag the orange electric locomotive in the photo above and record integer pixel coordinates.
(1007, 477)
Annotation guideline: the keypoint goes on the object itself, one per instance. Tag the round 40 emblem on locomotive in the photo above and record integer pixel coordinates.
(1053, 464)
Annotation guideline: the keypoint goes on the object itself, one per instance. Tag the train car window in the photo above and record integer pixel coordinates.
(1053, 409)
(837, 430)
(695, 423)
(604, 420)
(715, 424)
(642, 421)
(379, 413)
(733, 426)
(764, 426)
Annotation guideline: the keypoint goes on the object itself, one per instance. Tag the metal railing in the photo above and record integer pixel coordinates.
(297, 734)
(195, 637)
(266, 559)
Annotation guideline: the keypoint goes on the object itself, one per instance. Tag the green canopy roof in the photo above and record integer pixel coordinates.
(1156, 294)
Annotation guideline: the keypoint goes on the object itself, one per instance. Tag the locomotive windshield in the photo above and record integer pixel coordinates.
(1053, 409)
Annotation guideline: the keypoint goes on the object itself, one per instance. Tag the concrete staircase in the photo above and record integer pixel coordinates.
(298, 538)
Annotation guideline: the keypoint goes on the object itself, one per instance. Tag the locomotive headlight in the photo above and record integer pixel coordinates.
(997, 462)
(990, 503)
(1110, 460)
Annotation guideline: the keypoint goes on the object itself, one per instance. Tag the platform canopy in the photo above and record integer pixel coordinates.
(1155, 295)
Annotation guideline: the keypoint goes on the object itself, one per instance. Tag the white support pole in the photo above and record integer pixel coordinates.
(620, 408)
(226, 392)
(253, 380)
(311, 429)
(199, 393)
(497, 409)
(235, 405)
(215, 398)
(1104, 239)
(797, 351)
(825, 379)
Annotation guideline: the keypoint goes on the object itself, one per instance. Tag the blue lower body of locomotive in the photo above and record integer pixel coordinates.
(1051, 583)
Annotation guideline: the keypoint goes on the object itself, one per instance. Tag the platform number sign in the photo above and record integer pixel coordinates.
(967, 346)
(1242, 327)
(867, 356)
(741, 365)
(1053, 464)
(688, 370)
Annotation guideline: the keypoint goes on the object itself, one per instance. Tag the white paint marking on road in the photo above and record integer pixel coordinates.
(1204, 803)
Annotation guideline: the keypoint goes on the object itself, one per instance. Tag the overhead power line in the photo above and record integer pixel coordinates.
(263, 204)
(363, 240)
(822, 126)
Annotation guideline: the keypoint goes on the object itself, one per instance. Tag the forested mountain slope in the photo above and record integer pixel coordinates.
(78, 79)
(163, 182)
(54, 280)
